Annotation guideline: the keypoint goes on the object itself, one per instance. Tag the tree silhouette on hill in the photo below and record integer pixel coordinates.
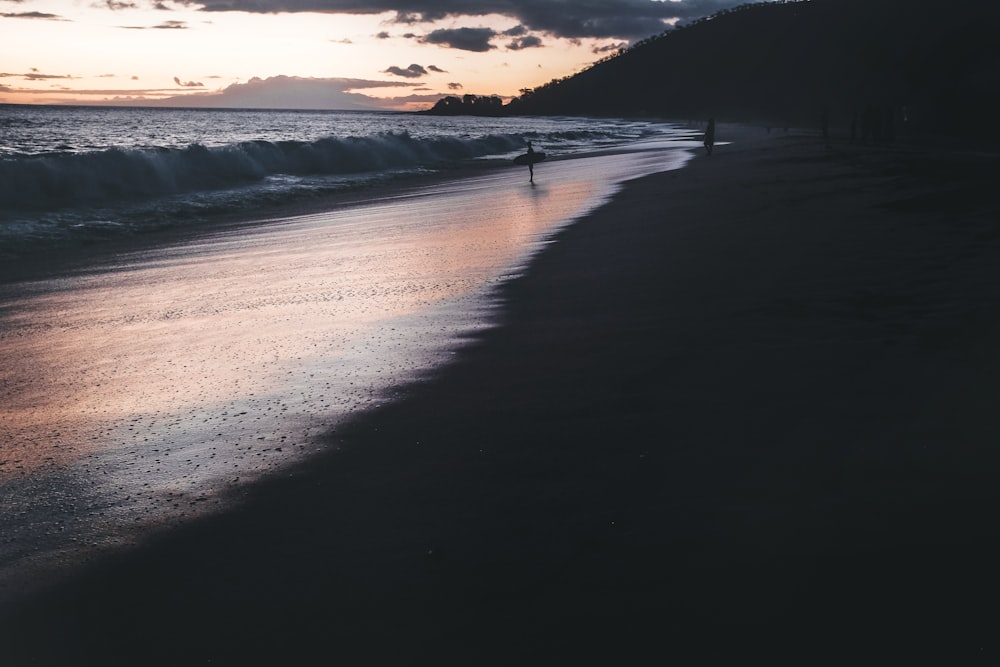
(781, 62)
(468, 105)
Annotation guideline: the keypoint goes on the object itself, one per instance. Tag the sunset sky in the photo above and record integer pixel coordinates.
(338, 54)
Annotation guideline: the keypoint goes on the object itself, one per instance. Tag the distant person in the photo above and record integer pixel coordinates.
(710, 136)
(529, 159)
(531, 163)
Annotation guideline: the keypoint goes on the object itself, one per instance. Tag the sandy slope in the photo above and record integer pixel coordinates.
(746, 409)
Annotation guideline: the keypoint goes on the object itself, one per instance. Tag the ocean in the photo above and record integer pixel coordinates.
(72, 174)
(242, 284)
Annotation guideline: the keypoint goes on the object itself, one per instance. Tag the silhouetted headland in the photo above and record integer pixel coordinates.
(898, 64)
(468, 105)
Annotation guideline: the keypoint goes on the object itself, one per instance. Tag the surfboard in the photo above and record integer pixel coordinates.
(529, 158)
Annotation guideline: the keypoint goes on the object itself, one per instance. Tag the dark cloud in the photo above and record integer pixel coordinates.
(455, 86)
(618, 19)
(32, 15)
(412, 72)
(631, 19)
(408, 17)
(480, 40)
(33, 75)
(383, 35)
(114, 5)
(188, 84)
(465, 39)
(529, 42)
(435, 68)
(609, 48)
(166, 25)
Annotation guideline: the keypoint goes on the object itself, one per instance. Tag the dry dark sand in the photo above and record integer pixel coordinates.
(745, 412)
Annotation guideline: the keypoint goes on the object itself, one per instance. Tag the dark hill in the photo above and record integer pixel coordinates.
(786, 62)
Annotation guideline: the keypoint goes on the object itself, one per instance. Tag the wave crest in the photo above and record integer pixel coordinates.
(61, 179)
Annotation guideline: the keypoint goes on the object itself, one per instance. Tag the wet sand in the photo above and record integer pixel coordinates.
(744, 411)
(154, 384)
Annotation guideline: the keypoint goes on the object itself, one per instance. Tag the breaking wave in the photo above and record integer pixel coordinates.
(46, 182)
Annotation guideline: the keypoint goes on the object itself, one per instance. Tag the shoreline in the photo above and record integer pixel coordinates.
(742, 409)
(171, 378)
(70, 257)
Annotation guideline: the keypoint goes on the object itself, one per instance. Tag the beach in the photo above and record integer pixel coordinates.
(743, 410)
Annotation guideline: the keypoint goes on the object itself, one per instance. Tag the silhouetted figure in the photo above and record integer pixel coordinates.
(531, 165)
(710, 136)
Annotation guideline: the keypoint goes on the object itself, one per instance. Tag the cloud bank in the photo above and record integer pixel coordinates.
(33, 75)
(412, 72)
(31, 15)
(621, 19)
(289, 92)
(465, 39)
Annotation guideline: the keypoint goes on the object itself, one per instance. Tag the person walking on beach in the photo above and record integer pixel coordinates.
(531, 164)
(710, 136)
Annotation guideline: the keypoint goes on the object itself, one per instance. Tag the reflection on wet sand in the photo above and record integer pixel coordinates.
(161, 381)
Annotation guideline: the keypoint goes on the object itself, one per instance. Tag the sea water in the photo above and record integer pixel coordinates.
(71, 174)
(155, 383)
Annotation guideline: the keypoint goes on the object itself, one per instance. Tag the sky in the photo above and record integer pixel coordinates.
(309, 54)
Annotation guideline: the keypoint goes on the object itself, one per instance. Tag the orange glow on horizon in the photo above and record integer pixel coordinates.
(85, 54)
